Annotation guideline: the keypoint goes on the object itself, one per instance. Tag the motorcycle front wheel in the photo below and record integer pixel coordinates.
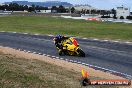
(81, 53)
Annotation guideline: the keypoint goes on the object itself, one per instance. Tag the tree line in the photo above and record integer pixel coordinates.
(59, 9)
(16, 7)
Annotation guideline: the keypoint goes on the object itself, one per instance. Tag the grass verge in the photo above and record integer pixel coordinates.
(20, 72)
(52, 25)
(26, 73)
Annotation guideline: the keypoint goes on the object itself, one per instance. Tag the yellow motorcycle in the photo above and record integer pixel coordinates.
(71, 47)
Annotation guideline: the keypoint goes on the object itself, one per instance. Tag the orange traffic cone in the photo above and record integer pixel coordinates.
(85, 80)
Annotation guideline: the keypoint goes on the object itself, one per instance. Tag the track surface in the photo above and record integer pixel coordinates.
(110, 55)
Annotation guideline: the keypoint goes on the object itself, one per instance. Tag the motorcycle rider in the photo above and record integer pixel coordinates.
(57, 41)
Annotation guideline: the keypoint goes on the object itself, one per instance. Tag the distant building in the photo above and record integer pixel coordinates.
(122, 11)
(45, 11)
(1, 4)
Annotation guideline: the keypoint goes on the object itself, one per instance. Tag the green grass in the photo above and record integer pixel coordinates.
(26, 73)
(50, 25)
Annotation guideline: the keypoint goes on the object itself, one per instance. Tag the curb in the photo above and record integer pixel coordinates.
(78, 62)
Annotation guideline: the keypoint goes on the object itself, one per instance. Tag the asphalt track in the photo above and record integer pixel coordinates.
(110, 55)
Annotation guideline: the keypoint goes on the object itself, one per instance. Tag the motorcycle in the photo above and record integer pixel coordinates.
(71, 47)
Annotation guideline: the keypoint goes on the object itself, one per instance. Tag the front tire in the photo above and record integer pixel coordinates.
(81, 53)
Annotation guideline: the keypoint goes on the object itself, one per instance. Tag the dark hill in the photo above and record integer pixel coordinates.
(45, 4)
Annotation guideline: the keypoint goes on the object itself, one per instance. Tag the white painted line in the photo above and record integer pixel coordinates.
(7, 47)
(62, 58)
(75, 61)
(47, 55)
(105, 40)
(84, 38)
(71, 60)
(36, 34)
(66, 59)
(115, 41)
(50, 35)
(57, 57)
(14, 32)
(95, 39)
(97, 66)
(87, 64)
(83, 63)
(79, 62)
(2, 31)
(53, 56)
(25, 33)
(128, 42)
(34, 52)
(39, 53)
(24, 50)
(44, 54)
(29, 51)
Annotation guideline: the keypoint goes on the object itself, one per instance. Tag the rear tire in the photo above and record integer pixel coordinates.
(60, 53)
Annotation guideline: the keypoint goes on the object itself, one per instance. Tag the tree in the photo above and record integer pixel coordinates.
(108, 13)
(93, 11)
(2, 8)
(33, 7)
(5, 7)
(103, 12)
(25, 7)
(54, 9)
(83, 11)
(121, 17)
(129, 17)
(45, 8)
(14, 7)
(21, 7)
(61, 9)
(30, 9)
(72, 10)
(88, 11)
(37, 7)
(98, 12)
(113, 11)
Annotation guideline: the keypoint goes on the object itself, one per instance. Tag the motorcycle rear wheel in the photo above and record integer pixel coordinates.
(60, 53)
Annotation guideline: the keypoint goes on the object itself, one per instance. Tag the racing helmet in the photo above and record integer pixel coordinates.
(58, 36)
